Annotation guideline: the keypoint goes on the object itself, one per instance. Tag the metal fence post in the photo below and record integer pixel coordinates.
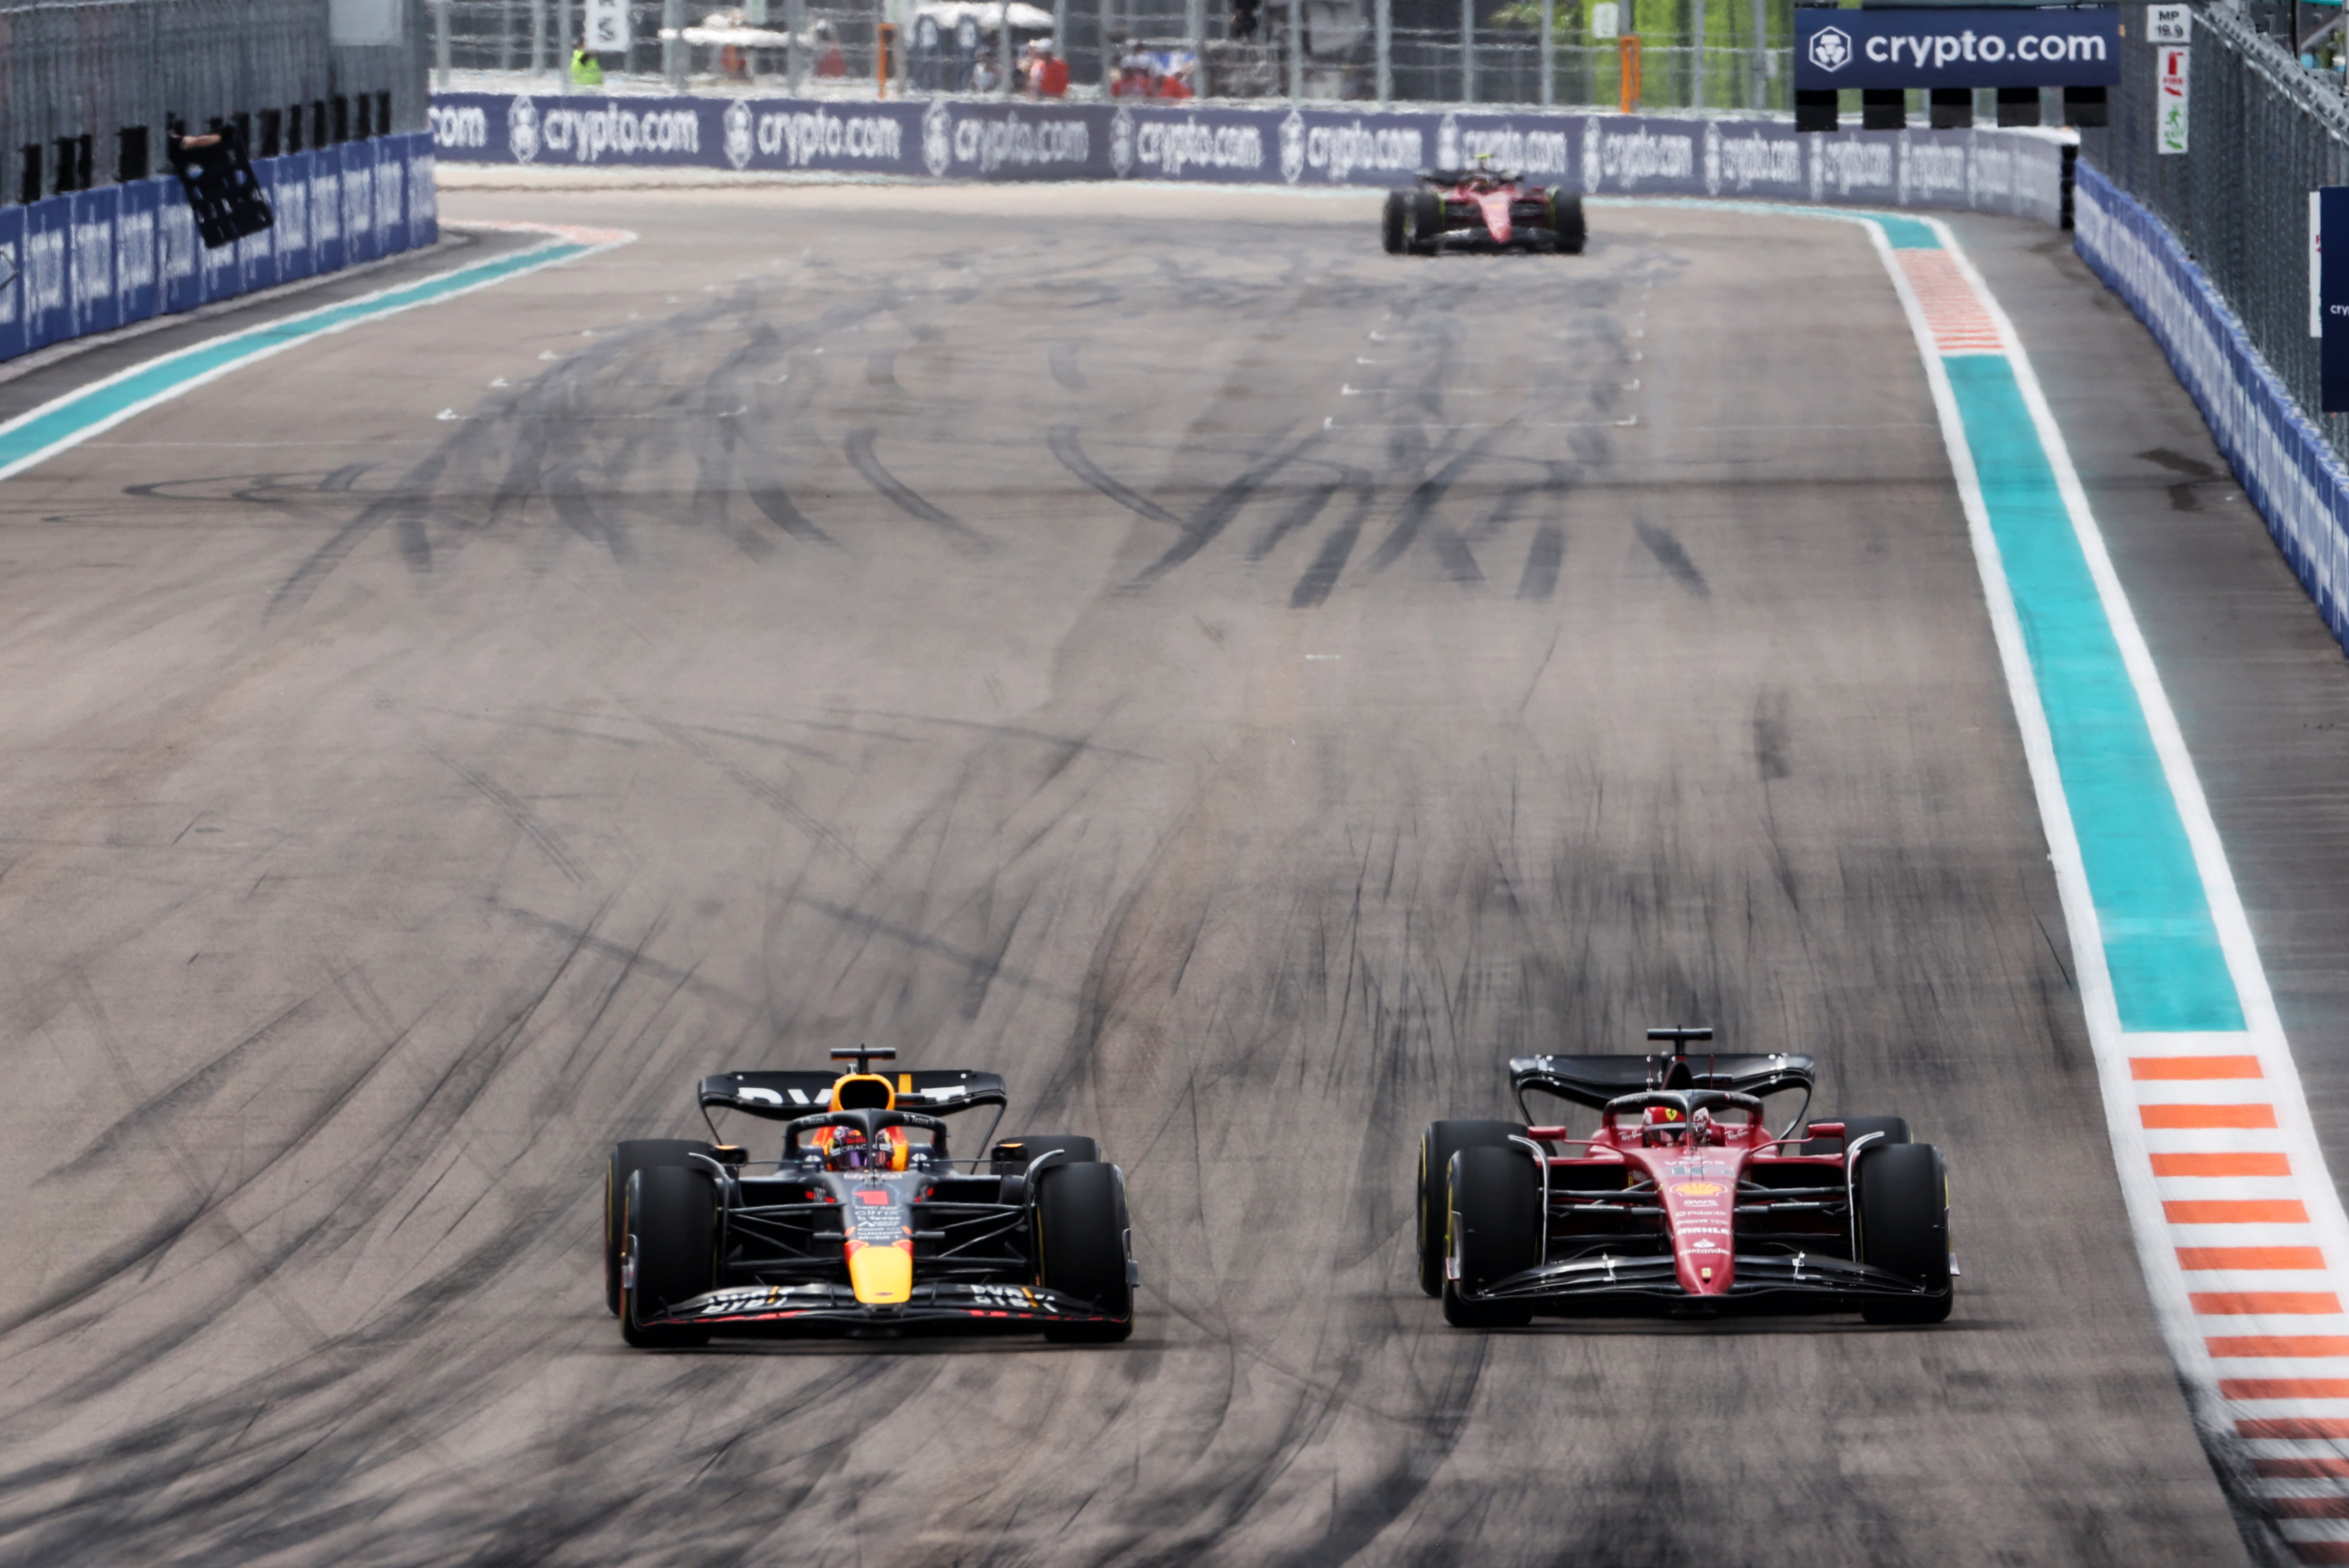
(1195, 34)
(1758, 94)
(1696, 53)
(440, 44)
(795, 56)
(1002, 48)
(537, 36)
(673, 47)
(1467, 51)
(1296, 50)
(1383, 20)
(1548, 88)
(1108, 59)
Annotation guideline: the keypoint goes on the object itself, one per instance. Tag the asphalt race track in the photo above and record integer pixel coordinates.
(1238, 684)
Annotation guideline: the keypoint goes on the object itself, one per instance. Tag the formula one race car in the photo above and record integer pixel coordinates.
(1683, 1202)
(866, 1223)
(1481, 209)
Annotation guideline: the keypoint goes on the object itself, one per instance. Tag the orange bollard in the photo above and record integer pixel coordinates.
(884, 45)
(1627, 49)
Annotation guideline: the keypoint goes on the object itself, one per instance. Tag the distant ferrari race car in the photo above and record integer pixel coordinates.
(1481, 209)
(865, 1221)
(1682, 1201)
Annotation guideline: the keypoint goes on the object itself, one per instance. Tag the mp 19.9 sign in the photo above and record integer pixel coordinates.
(1937, 48)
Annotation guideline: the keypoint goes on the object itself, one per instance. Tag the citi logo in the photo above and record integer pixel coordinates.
(1830, 49)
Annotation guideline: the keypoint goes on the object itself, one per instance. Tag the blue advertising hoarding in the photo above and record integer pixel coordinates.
(1980, 170)
(47, 283)
(96, 301)
(2070, 46)
(11, 282)
(136, 251)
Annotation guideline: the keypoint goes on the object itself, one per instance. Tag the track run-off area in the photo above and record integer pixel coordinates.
(1241, 687)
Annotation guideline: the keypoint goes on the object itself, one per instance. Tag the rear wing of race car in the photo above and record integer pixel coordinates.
(780, 1096)
(1593, 1081)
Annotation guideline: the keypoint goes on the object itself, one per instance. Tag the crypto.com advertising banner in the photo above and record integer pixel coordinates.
(2010, 171)
(1937, 48)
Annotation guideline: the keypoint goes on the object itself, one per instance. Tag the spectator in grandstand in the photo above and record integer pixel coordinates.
(829, 60)
(1047, 73)
(982, 75)
(1171, 83)
(587, 69)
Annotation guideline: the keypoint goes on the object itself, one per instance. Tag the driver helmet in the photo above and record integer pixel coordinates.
(1662, 1115)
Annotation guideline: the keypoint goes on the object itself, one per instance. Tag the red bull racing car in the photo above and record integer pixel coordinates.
(865, 1221)
(1480, 208)
(1682, 1201)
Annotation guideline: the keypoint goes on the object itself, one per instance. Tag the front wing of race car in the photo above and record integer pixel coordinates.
(757, 1309)
(1765, 1284)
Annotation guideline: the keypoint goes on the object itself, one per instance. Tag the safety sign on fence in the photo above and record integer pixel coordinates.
(2170, 82)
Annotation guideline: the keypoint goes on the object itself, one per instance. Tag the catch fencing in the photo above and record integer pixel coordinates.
(2261, 134)
(90, 88)
(96, 260)
(2210, 248)
(1726, 55)
(2013, 171)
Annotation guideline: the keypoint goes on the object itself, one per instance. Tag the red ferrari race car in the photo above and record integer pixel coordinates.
(1682, 1201)
(1481, 209)
(866, 1223)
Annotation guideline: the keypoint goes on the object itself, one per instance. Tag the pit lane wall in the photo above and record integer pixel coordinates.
(2286, 466)
(2019, 173)
(97, 260)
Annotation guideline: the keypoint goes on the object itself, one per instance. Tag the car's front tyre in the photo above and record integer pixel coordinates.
(1082, 1246)
(1394, 222)
(1493, 1219)
(672, 1231)
(625, 1160)
(1903, 1220)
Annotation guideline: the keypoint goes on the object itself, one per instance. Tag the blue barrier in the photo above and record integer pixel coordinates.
(97, 304)
(137, 255)
(2014, 172)
(12, 289)
(45, 280)
(2286, 467)
(100, 259)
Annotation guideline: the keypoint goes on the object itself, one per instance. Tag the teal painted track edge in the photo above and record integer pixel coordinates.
(68, 422)
(2161, 945)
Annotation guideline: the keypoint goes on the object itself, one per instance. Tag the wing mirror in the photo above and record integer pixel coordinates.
(1824, 1129)
(731, 1155)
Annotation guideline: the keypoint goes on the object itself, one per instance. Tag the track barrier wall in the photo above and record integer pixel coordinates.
(2011, 171)
(2287, 467)
(105, 258)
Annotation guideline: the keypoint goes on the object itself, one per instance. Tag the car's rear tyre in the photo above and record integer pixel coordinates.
(1493, 1213)
(1013, 1155)
(625, 1160)
(1437, 1145)
(1566, 223)
(1394, 222)
(672, 1224)
(1426, 222)
(1903, 1220)
(1083, 1248)
(1894, 1128)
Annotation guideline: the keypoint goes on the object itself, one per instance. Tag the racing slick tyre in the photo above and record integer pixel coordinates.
(1566, 223)
(1894, 1128)
(1437, 1145)
(1904, 1226)
(672, 1229)
(1494, 1213)
(1012, 1156)
(1393, 223)
(1081, 1244)
(625, 1160)
(1426, 222)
